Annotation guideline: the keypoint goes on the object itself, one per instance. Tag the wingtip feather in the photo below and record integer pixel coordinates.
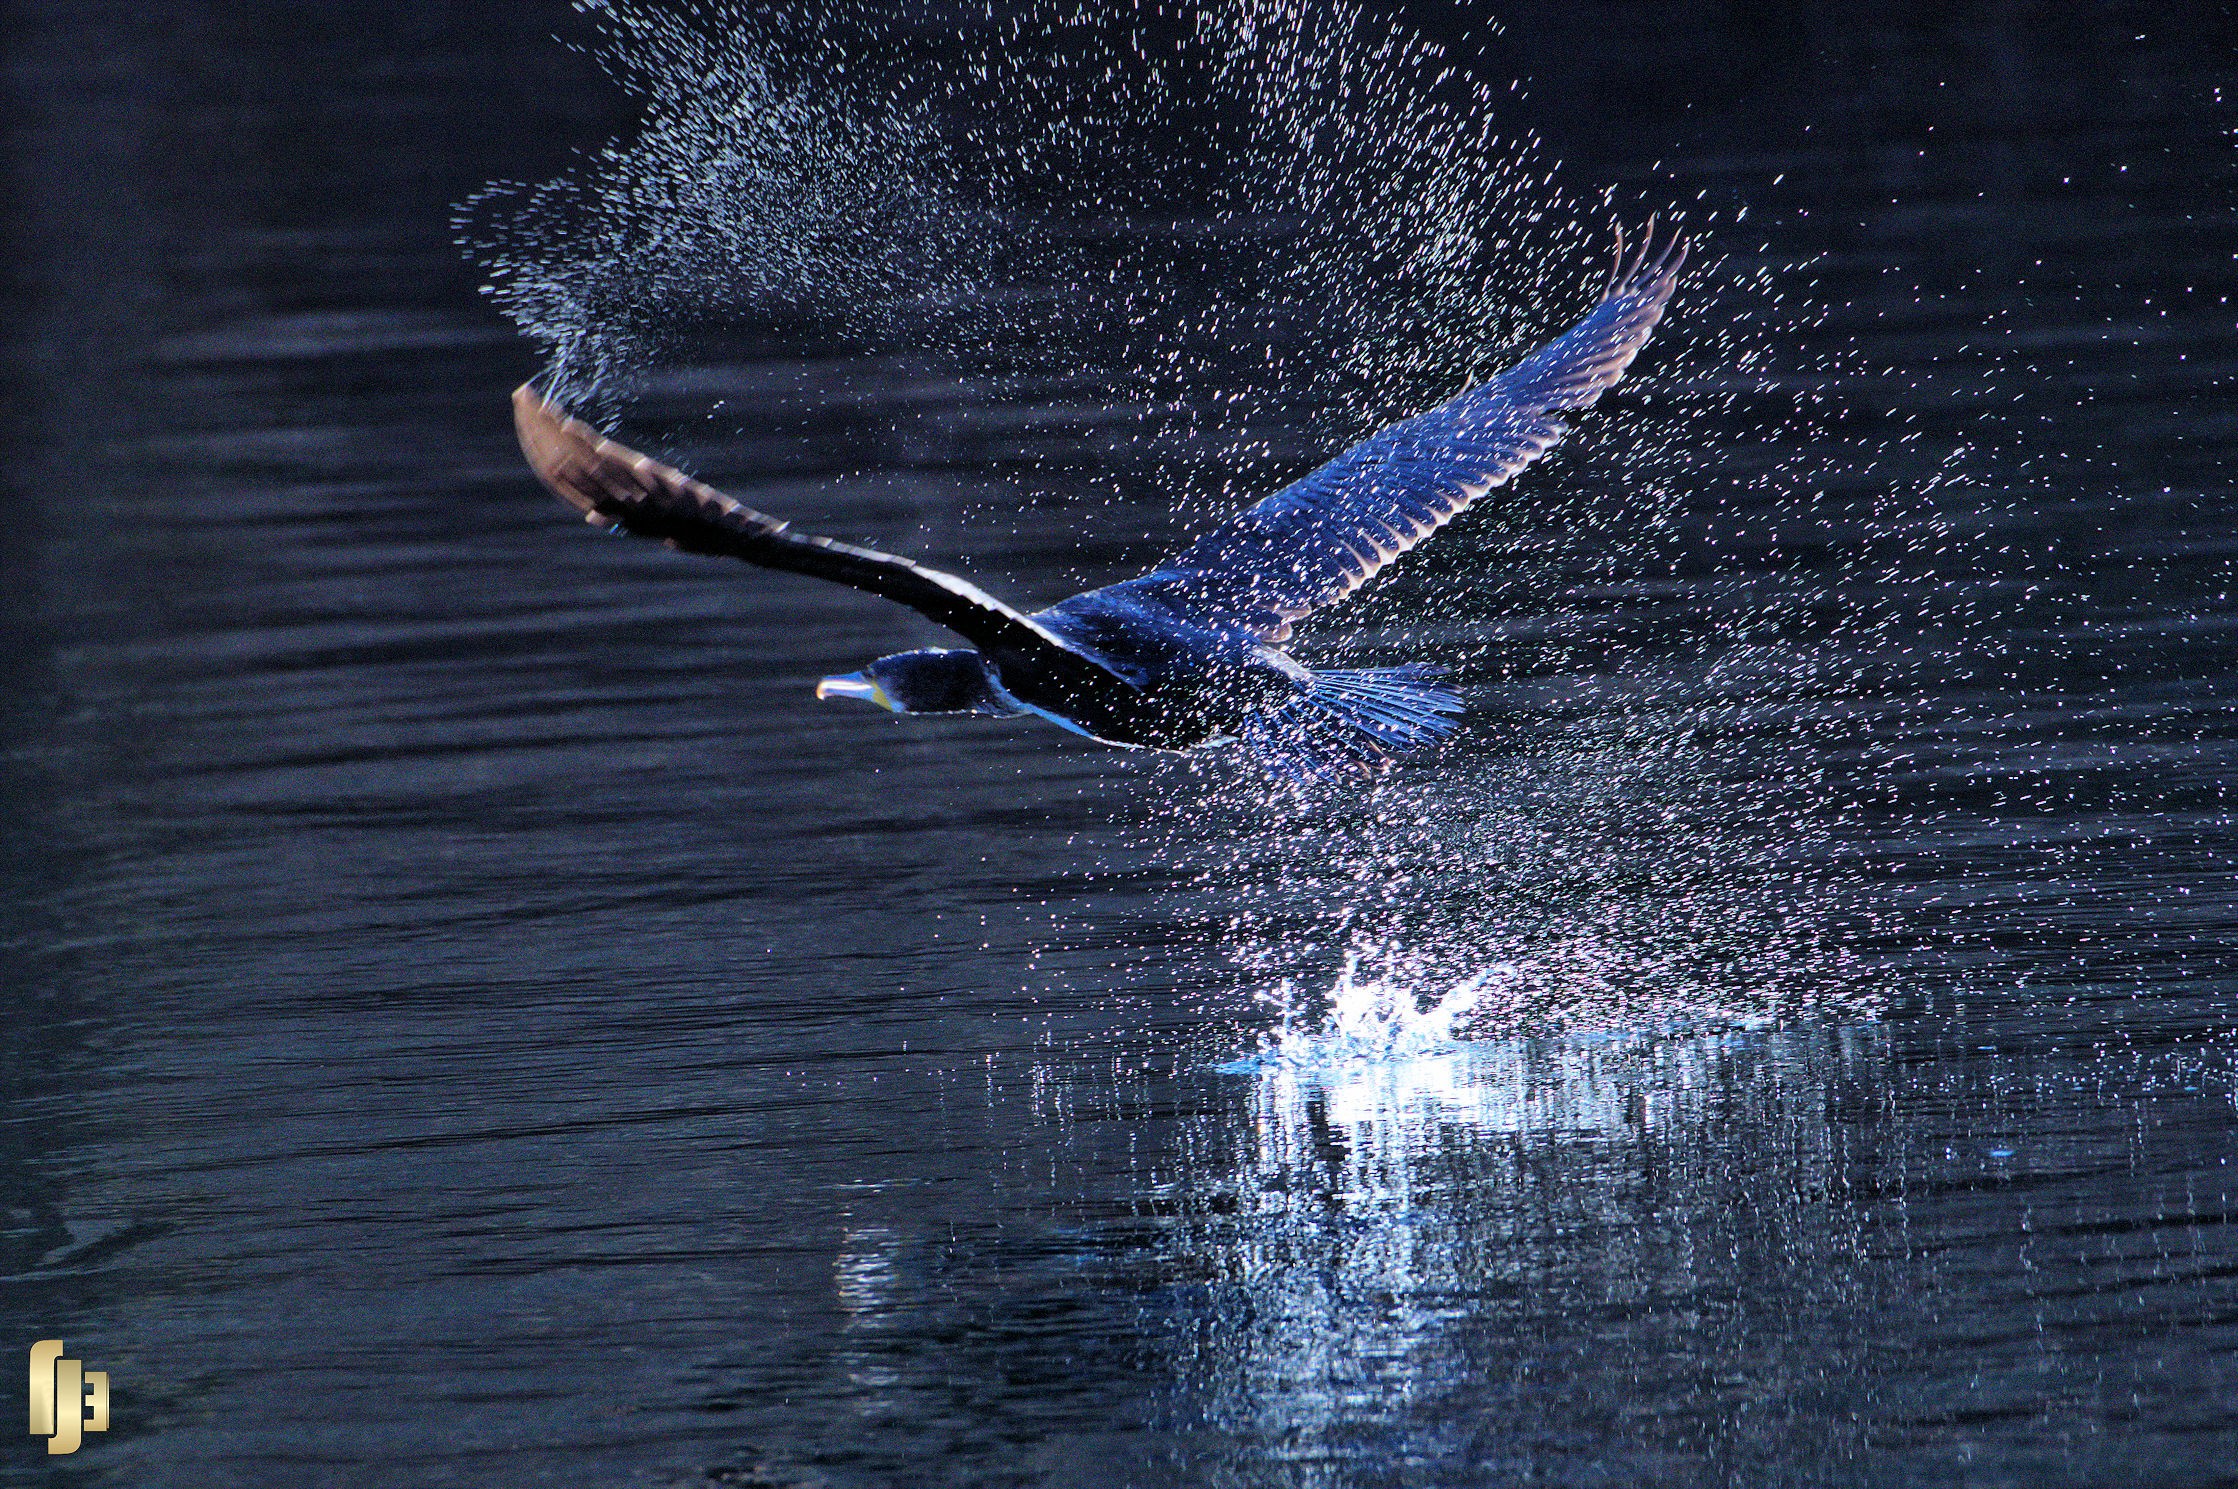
(1648, 271)
(563, 451)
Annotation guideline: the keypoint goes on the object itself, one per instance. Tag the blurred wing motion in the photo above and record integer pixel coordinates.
(1321, 538)
(615, 487)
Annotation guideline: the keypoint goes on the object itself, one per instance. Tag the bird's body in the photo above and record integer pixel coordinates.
(1188, 655)
(1188, 684)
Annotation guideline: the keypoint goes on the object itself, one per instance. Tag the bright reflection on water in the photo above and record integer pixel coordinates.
(1397, 1176)
(1386, 1065)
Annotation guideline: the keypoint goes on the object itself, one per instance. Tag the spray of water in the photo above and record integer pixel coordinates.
(1387, 1013)
(1248, 233)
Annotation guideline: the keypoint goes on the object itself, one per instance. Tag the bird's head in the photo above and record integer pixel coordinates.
(931, 681)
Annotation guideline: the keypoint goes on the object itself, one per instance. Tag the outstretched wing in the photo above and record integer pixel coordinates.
(615, 487)
(1321, 538)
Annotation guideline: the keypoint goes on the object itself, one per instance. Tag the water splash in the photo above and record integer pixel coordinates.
(762, 184)
(1382, 1076)
(1369, 1018)
(1367, 1193)
(1228, 239)
(1205, 213)
(1402, 1137)
(1384, 1016)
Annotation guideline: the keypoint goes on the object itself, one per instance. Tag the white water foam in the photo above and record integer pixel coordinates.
(1389, 1066)
(1371, 1018)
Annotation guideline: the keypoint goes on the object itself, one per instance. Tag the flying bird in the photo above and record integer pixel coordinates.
(1189, 655)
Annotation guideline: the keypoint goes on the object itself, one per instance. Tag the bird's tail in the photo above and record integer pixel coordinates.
(1355, 720)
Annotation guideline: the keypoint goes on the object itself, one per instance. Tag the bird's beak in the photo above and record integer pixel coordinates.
(855, 685)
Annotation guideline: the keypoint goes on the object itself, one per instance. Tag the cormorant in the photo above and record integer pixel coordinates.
(1186, 656)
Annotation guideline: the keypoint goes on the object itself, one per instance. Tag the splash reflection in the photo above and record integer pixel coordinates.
(1408, 1209)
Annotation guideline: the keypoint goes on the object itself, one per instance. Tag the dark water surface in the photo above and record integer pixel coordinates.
(473, 1018)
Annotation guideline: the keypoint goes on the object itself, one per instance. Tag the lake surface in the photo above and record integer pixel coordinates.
(474, 1018)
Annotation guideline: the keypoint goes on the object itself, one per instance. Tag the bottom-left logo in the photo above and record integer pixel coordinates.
(67, 1400)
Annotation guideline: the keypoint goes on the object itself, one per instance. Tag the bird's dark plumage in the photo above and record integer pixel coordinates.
(1186, 655)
